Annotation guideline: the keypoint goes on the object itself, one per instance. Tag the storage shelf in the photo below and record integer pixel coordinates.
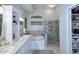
(75, 24)
(75, 14)
(75, 28)
(75, 34)
(74, 38)
(75, 20)
(75, 48)
(75, 43)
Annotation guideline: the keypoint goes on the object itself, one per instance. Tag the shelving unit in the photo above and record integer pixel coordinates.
(36, 23)
(75, 33)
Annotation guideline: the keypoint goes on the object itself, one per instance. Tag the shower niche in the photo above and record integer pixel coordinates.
(75, 30)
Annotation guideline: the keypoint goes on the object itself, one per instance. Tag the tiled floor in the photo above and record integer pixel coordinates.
(43, 52)
(52, 49)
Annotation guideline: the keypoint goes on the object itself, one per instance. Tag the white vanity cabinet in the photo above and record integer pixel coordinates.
(38, 42)
(25, 49)
(33, 43)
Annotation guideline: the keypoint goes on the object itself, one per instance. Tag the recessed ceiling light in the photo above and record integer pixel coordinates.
(51, 5)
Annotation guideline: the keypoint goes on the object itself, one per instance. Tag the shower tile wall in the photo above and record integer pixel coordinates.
(53, 35)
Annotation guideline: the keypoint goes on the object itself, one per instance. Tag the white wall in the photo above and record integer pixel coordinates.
(48, 14)
(21, 14)
(7, 22)
(65, 28)
(20, 10)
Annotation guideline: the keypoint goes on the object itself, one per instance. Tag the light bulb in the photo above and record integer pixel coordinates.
(51, 5)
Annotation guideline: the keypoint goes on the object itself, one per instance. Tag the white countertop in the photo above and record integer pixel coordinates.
(13, 48)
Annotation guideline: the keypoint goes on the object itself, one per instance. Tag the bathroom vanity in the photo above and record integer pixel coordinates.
(18, 47)
(25, 45)
(33, 43)
(38, 42)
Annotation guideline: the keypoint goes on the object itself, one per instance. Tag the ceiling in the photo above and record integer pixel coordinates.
(32, 7)
(40, 6)
(49, 13)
